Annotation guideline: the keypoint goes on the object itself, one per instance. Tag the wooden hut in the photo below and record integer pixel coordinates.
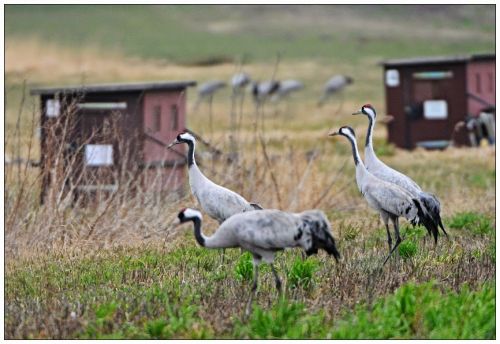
(428, 97)
(95, 138)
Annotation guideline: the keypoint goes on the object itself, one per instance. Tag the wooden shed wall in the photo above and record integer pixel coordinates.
(406, 130)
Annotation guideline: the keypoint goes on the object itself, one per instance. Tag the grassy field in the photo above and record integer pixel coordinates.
(119, 270)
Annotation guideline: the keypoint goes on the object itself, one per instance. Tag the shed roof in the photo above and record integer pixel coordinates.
(437, 59)
(118, 87)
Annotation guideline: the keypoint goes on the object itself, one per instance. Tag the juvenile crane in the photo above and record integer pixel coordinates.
(430, 203)
(217, 201)
(264, 232)
(390, 200)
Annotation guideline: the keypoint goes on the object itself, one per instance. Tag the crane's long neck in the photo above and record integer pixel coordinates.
(360, 167)
(190, 157)
(199, 236)
(369, 134)
(371, 159)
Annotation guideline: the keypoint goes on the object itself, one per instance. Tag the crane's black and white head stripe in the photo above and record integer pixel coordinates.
(367, 110)
(184, 137)
(188, 214)
(351, 136)
(347, 132)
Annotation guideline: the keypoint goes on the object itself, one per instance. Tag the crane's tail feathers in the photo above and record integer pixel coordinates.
(256, 206)
(331, 248)
(426, 220)
(442, 227)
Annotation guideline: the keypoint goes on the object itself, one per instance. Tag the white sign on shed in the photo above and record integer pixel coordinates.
(98, 155)
(435, 109)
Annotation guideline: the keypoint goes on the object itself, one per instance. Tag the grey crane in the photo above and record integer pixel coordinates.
(239, 81)
(264, 232)
(430, 203)
(286, 87)
(217, 201)
(336, 84)
(263, 90)
(389, 200)
(206, 91)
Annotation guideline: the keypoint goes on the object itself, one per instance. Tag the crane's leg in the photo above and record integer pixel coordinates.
(385, 218)
(256, 262)
(395, 222)
(277, 279)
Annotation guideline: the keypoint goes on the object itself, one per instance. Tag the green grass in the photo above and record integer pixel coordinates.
(190, 34)
(475, 223)
(423, 311)
(150, 294)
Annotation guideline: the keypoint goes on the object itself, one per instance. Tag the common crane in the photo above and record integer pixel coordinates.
(286, 87)
(206, 92)
(431, 204)
(217, 201)
(263, 90)
(390, 200)
(264, 232)
(239, 81)
(333, 86)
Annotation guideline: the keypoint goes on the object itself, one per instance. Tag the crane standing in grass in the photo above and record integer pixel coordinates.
(264, 232)
(333, 86)
(206, 91)
(217, 201)
(430, 203)
(390, 200)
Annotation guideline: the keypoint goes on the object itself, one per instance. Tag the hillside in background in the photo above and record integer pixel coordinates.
(211, 34)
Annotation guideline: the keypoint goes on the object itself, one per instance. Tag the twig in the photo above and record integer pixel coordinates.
(273, 177)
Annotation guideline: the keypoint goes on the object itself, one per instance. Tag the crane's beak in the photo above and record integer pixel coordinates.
(173, 144)
(333, 133)
(358, 112)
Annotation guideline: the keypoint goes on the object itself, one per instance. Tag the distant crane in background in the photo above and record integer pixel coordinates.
(334, 86)
(239, 82)
(264, 232)
(206, 91)
(287, 87)
(262, 91)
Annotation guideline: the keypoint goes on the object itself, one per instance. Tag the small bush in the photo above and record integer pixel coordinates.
(244, 267)
(407, 249)
(301, 273)
(473, 222)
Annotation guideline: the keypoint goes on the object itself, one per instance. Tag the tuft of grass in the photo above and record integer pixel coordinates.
(407, 249)
(244, 267)
(285, 319)
(302, 272)
(476, 223)
(423, 311)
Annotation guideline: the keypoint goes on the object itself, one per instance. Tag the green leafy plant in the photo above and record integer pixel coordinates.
(302, 272)
(244, 267)
(407, 249)
(285, 319)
